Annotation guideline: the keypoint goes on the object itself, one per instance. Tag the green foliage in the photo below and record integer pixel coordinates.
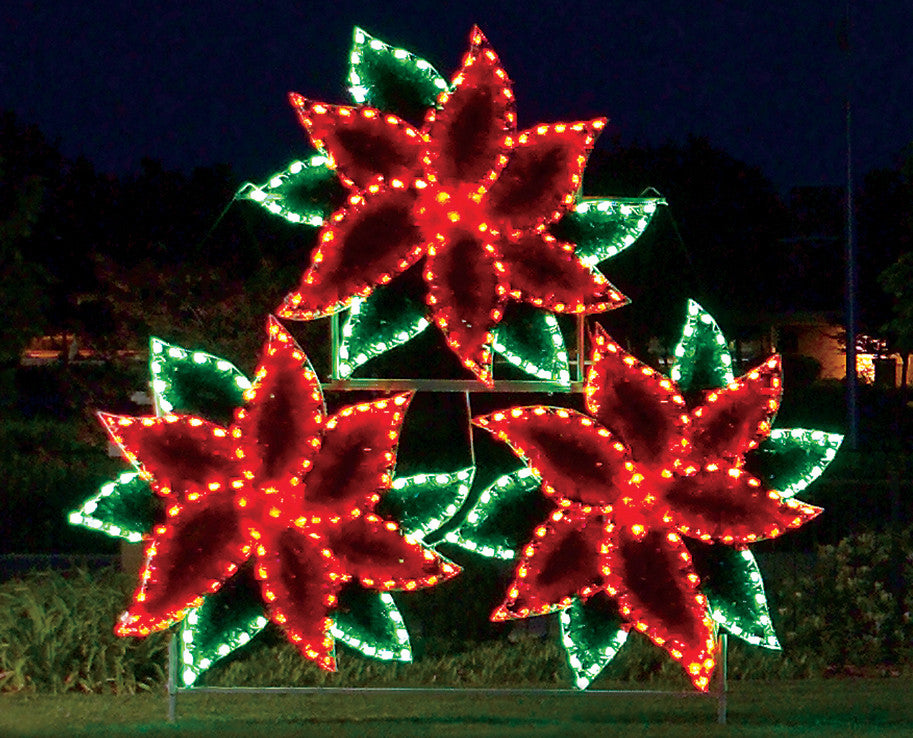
(527, 661)
(855, 607)
(45, 470)
(21, 280)
(850, 610)
(897, 281)
(56, 635)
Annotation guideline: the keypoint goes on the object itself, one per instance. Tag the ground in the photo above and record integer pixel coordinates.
(847, 706)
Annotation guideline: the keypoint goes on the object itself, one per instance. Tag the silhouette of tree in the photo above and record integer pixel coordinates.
(897, 281)
(719, 242)
(885, 218)
(26, 161)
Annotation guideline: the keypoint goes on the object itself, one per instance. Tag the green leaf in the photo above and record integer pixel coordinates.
(591, 632)
(792, 458)
(531, 340)
(604, 227)
(305, 193)
(436, 436)
(702, 360)
(391, 79)
(227, 620)
(734, 587)
(194, 382)
(423, 503)
(125, 508)
(387, 318)
(503, 517)
(369, 622)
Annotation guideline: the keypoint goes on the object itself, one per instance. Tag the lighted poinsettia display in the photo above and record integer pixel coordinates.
(285, 485)
(468, 194)
(630, 480)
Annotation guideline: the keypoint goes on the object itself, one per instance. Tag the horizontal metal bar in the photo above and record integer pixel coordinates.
(450, 385)
(656, 199)
(437, 690)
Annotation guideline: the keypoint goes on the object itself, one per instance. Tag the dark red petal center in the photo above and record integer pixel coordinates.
(386, 228)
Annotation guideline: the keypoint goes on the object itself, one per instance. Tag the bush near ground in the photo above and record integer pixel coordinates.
(847, 611)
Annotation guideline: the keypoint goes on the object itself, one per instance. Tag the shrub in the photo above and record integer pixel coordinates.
(847, 610)
(57, 635)
(46, 471)
(854, 608)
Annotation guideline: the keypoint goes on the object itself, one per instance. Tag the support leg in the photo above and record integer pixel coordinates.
(722, 687)
(172, 678)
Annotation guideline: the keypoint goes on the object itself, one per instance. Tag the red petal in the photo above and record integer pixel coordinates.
(543, 174)
(639, 405)
(372, 550)
(575, 458)
(279, 431)
(467, 136)
(735, 419)
(362, 142)
(650, 573)
(300, 581)
(182, 454)
(731, 506)
(562, 561)
(363, 245)
(466, 297)
(356, 458)
(544, 271)
(200, 546)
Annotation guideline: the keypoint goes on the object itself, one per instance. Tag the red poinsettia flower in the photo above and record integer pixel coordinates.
(468, 193)
(285, 484)
(629, 479)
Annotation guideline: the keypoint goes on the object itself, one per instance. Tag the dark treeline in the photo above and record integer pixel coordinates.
(749, 253)
(112, 260)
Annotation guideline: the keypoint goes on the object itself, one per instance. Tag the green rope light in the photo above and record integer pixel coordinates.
(193, 381)
(383, 321)
(226, 621)
(493, 524)
(390, 78)
(533, 343)
(372, 625)
(302, 194)
(793, 458)
(604, 227)
(423, 503)
(123, 508)
(592, 634)
(702, 359)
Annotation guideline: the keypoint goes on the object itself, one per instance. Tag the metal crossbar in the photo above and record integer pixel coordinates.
(335, 383)
(719, 694)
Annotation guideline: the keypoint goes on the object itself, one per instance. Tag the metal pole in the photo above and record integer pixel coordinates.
(724, 674)
(581, 340)
(334, 346)
(852, 406)
(172, 677)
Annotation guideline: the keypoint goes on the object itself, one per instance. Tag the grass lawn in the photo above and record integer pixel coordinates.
(857, 707)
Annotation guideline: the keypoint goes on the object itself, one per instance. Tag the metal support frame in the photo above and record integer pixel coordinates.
(335, 384)
(719, 694)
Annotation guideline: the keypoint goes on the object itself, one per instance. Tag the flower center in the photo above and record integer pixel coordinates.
(447, 216)
(641, 503)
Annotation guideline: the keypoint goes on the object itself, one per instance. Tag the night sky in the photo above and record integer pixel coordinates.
(197, 83)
